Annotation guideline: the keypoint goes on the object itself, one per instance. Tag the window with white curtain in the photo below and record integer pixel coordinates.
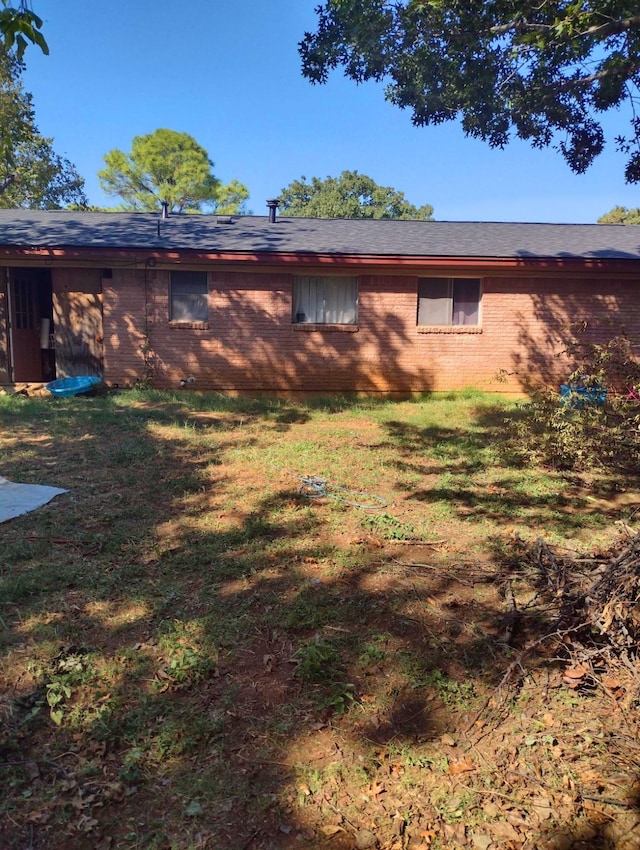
(448, 301)
(189, 297)
(325, 300)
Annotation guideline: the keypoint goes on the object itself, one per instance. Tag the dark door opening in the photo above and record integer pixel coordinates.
(31, 325)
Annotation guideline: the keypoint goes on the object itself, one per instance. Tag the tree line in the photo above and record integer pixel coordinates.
(546, 73)
(163, 167)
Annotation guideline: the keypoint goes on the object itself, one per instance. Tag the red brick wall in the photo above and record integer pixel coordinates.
(123, 318)
(250, 342)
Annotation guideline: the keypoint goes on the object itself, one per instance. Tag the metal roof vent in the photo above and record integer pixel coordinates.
(273, 204)
(165, 210)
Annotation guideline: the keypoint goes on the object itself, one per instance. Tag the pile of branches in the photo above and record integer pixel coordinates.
(589, 609)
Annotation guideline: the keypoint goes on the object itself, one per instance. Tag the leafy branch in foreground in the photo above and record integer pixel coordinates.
(19, 26)
(543, 72)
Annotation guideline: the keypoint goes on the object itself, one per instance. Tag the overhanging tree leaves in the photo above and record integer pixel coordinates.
(32, 174)
(169, 167)
(352, 195)
(545, 72)
(19, 25)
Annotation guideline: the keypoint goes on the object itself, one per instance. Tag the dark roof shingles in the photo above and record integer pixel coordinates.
(351, 237)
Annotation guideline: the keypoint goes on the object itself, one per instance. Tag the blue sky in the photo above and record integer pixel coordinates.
(228, 73)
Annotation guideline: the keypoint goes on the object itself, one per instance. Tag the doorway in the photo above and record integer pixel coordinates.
(31, 325)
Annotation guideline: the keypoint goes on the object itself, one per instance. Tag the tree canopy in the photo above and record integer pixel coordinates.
(169, 167)
(621, 215)
(544, 72)
(19, 25)
(32, 174)
(351, 195)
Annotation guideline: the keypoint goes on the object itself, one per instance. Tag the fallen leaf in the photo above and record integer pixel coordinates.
(503, 830)
(614, 685)
(398, 824)
(463, 765)
(427, 836)
(86, 823)
(541, 808)
(490, 809)
(269, 662)
(578, 672)
(194, 809)
(481, 842)
(114, 791)
(365, 839)
(331, 830)
(456, 833)
(376, 788)
(516, 820)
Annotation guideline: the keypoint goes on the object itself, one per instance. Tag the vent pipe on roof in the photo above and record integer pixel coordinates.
(165, 209)
(273, 207)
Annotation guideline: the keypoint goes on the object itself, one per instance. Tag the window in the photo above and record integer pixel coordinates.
(448, 301)
(325, 300)
(189, 297)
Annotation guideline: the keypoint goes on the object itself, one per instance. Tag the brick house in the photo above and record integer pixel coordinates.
(292, 304)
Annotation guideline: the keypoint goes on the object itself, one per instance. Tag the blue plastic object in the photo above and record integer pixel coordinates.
(65, 387)
(578, 396)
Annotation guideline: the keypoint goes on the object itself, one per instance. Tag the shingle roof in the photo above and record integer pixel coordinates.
(351, 237)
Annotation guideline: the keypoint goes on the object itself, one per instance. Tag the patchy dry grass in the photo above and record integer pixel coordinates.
(194, 655)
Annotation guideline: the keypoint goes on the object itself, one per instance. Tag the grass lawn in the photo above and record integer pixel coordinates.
(194, 655)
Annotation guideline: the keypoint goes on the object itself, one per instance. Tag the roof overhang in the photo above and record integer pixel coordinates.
(267, 261)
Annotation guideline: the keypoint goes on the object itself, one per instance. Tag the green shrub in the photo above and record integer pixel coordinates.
(574, 433)
(550, 432)
(612, 364)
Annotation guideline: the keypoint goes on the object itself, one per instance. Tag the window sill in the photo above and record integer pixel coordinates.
(319, 326)
(190, 326)
(449, 329)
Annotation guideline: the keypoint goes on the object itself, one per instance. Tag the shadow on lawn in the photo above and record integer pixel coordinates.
(195, 670)
(463, 460)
